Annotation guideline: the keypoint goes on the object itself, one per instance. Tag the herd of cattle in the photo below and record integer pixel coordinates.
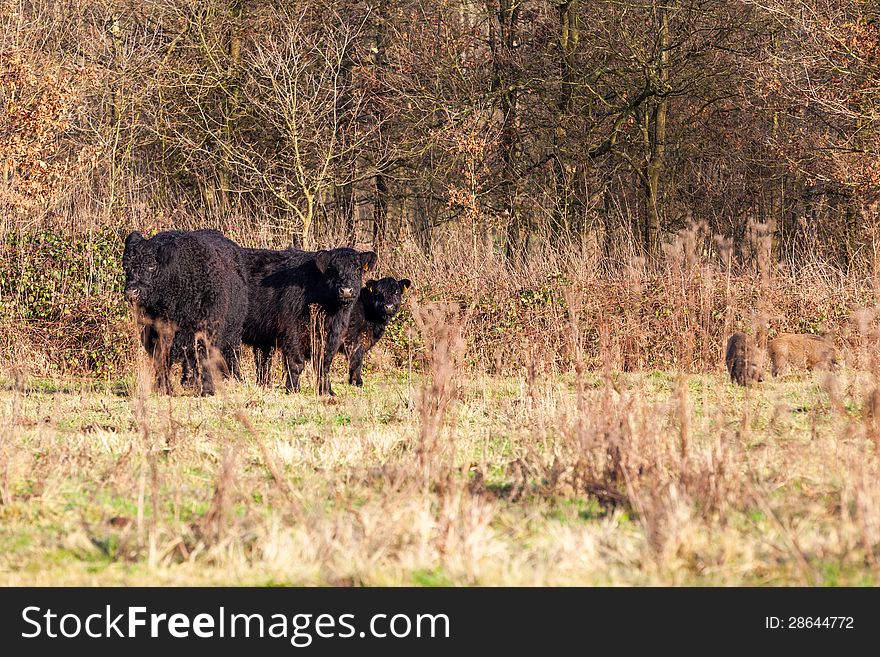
(198, 296)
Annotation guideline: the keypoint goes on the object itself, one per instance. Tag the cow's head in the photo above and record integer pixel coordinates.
(145, 262)
(384, 297)
(343, 271)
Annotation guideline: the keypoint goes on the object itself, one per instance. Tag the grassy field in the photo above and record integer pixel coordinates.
(442, 479)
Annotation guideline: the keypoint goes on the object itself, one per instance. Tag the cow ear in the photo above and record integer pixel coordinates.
(368, 260)
(165, 253)
(322, 261)
(404, 284)
(132, 239)
(370, 285)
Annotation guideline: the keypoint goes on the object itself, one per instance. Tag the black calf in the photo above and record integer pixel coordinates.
(378, 303)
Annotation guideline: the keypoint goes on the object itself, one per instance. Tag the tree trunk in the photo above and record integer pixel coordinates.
(777, 182)
(503, 41)
(569, 34)
(380, 213)
(233, 52)
(380, 202)
(344, 190)
(656, 134)
(116, 40)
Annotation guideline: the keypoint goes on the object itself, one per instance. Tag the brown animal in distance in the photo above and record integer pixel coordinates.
(745, 361)
(802, 350)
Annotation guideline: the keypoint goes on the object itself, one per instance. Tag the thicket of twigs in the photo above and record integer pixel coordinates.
(665, 172)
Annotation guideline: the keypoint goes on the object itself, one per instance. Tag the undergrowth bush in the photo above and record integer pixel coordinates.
(62, 296)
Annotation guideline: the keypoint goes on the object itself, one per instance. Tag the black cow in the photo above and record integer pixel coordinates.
(284, 287)
(190, 291)
(378, 303)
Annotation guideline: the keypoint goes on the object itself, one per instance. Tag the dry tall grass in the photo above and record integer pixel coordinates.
(556, 423)
(536, 477)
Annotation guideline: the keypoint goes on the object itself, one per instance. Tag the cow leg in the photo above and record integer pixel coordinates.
(161, 353)
(161, 368)
(294, 362)
(207, 362)
(355, 364)
(331, 345)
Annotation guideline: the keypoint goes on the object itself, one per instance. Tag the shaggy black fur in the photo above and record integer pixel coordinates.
(284, 286)
(190, 291)
(378, 303)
